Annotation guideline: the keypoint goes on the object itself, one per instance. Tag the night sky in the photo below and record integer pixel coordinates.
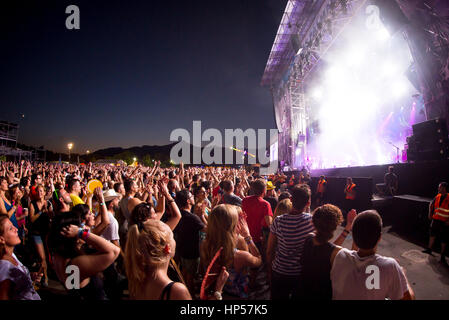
(135, 70)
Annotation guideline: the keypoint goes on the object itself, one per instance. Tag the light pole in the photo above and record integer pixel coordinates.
(70, 146)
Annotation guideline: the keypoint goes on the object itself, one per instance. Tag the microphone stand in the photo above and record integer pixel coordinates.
(397, 151)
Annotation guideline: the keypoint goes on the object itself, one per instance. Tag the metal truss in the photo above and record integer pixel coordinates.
(314, 25)
(327, 25)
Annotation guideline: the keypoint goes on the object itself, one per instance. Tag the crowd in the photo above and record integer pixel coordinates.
(160, 233)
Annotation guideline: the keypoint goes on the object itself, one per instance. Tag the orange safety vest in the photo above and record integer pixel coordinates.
(349, 192)
(441, 210)
(320, 188)
(291, 181)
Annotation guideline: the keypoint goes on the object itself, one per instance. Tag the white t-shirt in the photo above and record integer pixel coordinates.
(369, 278)
(20, 277)
(111, 231)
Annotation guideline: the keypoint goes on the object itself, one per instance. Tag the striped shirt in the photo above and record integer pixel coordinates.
(291, 231)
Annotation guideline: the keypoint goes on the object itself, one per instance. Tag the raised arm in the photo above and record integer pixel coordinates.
(102, 225)
(172, 222)
(4, 211)
(253, 257)
(351, 216)
(90, 265)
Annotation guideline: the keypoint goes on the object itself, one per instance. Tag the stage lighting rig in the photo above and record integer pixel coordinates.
(344, 6)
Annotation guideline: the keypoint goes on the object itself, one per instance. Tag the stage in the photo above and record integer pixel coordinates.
(407, 211)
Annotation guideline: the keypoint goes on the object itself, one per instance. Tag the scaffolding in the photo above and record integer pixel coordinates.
(307, 30)
(9, 133)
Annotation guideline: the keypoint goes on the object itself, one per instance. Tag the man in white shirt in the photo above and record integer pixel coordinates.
(363, 274)
(111, 199)
(112, 279)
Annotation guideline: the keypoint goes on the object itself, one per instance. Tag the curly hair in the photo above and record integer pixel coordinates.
(326, 219)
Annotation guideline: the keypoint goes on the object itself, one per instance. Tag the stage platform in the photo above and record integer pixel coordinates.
(407, 212)
(419, 178)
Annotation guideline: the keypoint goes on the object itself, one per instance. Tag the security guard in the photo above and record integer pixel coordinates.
(320, 190)
(439, 215)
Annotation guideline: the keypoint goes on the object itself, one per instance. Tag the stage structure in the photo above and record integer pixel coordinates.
(9, 133)
(302, 49)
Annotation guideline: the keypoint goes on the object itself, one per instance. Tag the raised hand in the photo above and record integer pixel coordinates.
(163, 186)
(70, 231)
(242, 225)
(351, 216)
(98, 192)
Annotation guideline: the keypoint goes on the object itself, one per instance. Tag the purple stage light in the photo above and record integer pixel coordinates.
(385, 123)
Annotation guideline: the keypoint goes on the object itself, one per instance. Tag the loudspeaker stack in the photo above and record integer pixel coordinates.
(429, 141)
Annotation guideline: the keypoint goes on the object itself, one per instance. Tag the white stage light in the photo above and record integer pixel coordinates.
(399, 89)
(383, 34)
(355, 56)
(335, 75)
(389, 69)
(317, 93)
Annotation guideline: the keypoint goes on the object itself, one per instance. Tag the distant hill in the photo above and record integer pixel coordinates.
(144, 154)
(139, 152)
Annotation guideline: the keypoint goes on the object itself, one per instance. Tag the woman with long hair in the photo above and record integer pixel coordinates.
(202, 207)
(75, 247)
(149, 248)
(227, 229)
(15, 279)
(283, 207)
(41, 211)
(7, 207)
(21, 213)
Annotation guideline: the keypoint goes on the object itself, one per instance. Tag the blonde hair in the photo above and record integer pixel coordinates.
(284, 206)
(145, 251)
(221, 225)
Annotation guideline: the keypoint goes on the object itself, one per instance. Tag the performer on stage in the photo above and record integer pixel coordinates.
(439, 214)
(320, 190)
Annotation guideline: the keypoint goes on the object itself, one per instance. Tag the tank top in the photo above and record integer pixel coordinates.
(93, 291)
(315, 273)
(13, 218)
(237, 284)
(166, 292)
(41, 225)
